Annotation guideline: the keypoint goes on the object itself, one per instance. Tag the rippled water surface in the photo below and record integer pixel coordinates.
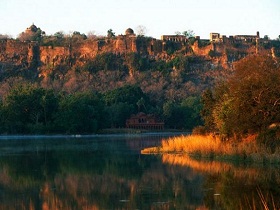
(109, 172)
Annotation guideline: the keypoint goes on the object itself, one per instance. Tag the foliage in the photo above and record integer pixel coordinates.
(79, 113)
(184, 115)
(248, 102)
(211, 53)
(136, 63)
(188, 33)
(105, 61)
(118, 113)
(215, 148)
(127, 94)
(208, 102)
(110, 33)
(27, 108)
(35, 34)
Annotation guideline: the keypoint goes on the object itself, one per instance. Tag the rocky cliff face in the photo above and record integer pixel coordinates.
(12, 51)
(32, 55)
(24, 53)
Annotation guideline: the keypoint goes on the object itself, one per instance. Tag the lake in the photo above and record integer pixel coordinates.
(109, 172)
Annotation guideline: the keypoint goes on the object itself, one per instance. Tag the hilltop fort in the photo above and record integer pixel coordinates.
(34, 49)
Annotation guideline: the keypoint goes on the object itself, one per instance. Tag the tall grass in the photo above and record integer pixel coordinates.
(213, 147)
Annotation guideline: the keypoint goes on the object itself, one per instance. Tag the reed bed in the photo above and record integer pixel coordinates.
(213, 147)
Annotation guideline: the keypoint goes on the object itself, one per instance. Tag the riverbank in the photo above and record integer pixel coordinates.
(212, 147)
(138, 131)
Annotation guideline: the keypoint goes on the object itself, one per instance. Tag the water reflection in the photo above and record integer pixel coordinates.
(110, 173)
(234, 185)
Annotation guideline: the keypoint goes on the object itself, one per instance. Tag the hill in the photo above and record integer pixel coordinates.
(171, 72)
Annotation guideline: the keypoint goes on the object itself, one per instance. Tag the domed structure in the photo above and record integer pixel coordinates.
(129, 32)
(32, 28)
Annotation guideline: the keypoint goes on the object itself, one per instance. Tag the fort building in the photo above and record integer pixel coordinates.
(216, 37)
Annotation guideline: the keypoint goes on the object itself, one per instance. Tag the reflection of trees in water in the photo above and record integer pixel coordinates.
(230, 186)
(140, 142)
(95, 176)
(95, 180)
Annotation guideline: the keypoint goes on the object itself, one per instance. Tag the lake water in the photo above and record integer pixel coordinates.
(109, 172)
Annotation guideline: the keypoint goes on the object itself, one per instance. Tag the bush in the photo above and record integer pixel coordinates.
(270, 139)
(211, 53)
(199, 130)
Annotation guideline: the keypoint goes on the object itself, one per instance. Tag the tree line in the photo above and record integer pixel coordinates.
(36, 110)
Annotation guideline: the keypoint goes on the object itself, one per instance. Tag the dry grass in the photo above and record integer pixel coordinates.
(213, 147)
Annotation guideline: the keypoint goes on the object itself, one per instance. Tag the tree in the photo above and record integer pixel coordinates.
(188, 33)
(177, 33)
(76, 36)
(256, 92)
(59, 35)
(141, 30)
(129, 94)
(30, 109)
(249, 102)
(118, 113)
(33, 34)
(266, 37)
(110, 33)
(4, 36)
(208, 103)
(91, 35)
(192, 107)
(80, 113)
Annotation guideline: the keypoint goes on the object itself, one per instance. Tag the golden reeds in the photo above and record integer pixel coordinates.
(213, 147)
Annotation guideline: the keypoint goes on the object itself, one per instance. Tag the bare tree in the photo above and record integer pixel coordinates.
(141, 30)
(91, 35)
(5, 36)
(177, 33)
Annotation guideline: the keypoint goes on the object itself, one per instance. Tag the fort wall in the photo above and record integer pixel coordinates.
(28, 53)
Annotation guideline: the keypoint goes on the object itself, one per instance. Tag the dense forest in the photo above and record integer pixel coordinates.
(178, 86)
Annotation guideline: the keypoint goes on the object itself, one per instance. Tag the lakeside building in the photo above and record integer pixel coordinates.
(144, 121)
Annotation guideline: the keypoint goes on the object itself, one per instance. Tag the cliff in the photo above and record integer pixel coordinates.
(36, 56)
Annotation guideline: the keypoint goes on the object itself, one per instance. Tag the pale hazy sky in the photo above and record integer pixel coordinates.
(228, 17)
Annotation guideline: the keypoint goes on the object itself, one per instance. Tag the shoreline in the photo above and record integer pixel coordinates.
(105, 132)
(209, 147)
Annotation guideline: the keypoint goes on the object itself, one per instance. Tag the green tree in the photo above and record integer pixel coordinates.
(249, 102)
(118, 113)
(80, 113)
(136, 62)
(59, 35)
(105, 61)
(174, 115)
(29, 109)
(34, 34)
(110, 33)
(188, 33)
(192, 107)
(129, 94)
(208, 102)
(77, 36)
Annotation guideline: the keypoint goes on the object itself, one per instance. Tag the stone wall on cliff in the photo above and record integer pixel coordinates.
(31, 55)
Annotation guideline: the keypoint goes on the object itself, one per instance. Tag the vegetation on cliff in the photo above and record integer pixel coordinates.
(106, 90)
(242, 114)
(165, 78)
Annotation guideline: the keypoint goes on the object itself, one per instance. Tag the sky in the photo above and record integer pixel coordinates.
(159, 17)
